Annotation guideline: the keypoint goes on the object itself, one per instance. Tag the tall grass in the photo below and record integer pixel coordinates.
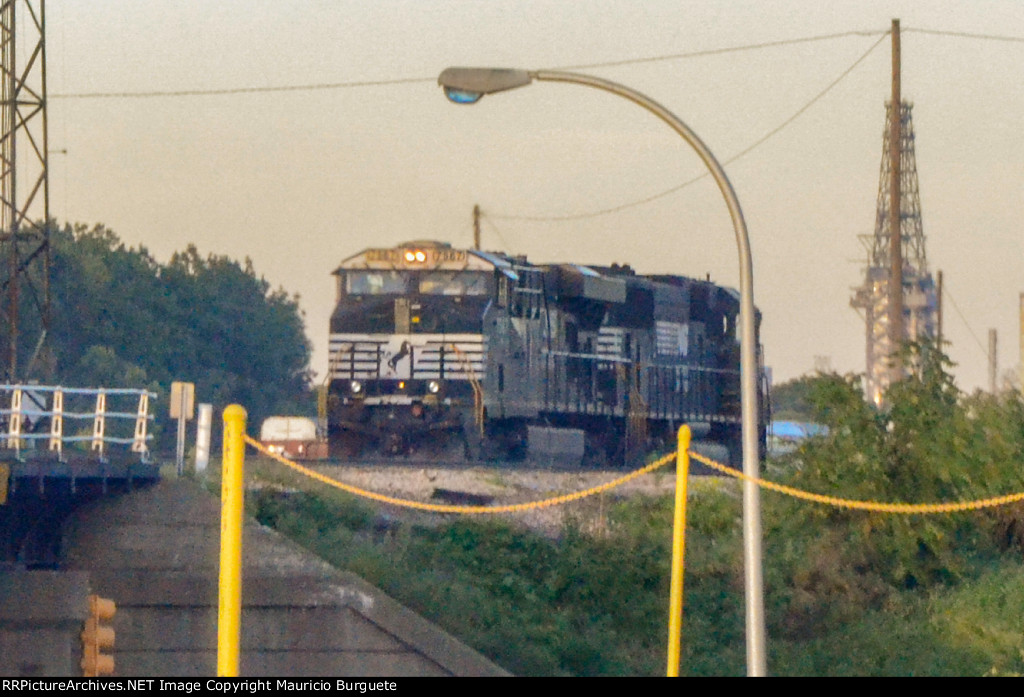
(585, 604)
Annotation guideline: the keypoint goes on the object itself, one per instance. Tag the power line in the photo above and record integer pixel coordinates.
(966, 35)
(718, 51)
(947, 294)
(734, 158)
(411, 80)
(607, 64)
(507, 247)
(244, 90)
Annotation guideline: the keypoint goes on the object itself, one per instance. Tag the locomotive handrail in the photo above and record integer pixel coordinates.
(619, 359)
(588, 356)
(335, 359)
(478, 390)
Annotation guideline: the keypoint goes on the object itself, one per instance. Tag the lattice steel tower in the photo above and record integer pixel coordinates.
(24, 187)
(920, 302)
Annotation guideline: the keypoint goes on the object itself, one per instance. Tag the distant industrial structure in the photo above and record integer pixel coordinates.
(898, 298)
(920, 299)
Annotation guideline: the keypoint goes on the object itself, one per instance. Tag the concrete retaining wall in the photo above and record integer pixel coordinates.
(155, 552)
(41, 617)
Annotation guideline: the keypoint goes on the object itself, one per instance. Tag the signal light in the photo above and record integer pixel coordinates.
(415, 256)
(97, 636)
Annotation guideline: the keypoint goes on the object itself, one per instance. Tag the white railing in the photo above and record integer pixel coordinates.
(30, 405)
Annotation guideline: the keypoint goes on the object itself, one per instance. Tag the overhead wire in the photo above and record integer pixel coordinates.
(506, 246)
(243, 90)
(412, 80)
(965, 35)
(703, 175)
(719, 51)
(580, 66)
(963, 317)
(605, 64)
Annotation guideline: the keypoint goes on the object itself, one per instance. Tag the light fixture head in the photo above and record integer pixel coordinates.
(468, 85)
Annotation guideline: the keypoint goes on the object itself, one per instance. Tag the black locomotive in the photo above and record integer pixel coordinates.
(435, 350)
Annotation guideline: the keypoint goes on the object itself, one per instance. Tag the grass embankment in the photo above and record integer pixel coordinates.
(586, 604)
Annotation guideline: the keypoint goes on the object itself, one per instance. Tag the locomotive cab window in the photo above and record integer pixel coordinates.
(453, 283)
(376, 283)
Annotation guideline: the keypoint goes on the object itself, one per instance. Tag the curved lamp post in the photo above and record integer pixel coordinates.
(469, 85)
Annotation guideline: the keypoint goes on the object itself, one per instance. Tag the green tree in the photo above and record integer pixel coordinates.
(120, 318)
(928, 443)
(792, 401)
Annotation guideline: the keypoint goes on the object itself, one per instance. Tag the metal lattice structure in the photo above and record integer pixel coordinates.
(24, 186)
(920, 302)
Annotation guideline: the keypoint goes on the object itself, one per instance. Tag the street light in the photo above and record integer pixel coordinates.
(468, 86)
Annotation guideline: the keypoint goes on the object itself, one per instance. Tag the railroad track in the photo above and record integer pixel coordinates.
(414, 462)
(432, 480)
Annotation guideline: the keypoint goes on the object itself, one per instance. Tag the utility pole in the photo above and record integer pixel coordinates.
(895, 218)
(938, 310)
(476, 227)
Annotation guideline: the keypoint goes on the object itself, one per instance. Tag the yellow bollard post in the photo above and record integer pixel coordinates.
(232, 498)
(675, 607)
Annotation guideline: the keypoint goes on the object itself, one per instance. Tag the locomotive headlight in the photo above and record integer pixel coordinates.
(415, 256)
(355, 387)
(433, 387)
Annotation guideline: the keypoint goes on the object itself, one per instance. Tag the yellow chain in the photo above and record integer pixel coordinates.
(902, 508)
(443, 508)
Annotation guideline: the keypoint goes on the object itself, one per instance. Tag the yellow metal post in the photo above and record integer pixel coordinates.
(675, 611)
(229, 616)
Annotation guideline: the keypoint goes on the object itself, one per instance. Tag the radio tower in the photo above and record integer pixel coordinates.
(24, 187)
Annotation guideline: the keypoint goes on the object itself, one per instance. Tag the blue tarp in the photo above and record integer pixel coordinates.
(795, 430)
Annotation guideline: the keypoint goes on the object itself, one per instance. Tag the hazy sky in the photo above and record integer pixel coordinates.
(297, 180)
